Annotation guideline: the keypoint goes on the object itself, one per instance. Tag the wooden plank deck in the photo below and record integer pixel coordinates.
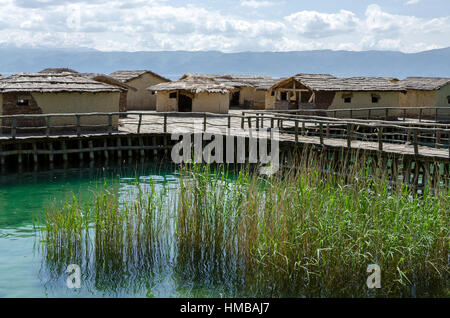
(152, 122)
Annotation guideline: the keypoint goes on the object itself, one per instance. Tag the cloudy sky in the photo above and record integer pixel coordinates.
(227, 25)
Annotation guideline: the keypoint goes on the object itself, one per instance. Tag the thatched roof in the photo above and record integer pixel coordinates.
(326, 82)
(53, 83)
(194, 84)
(236, 81)
(127, 76)
(102, 78)
(424, 83)
(58, 70)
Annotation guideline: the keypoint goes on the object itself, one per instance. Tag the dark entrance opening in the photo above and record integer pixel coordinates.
(235, 99)
(184, 104)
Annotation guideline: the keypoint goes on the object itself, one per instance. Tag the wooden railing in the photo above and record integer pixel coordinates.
(300, 128)
(441, 114)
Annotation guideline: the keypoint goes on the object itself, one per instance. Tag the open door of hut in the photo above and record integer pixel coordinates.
(184, 104)
(235, 99)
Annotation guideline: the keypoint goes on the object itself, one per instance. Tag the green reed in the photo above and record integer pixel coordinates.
(301, 232)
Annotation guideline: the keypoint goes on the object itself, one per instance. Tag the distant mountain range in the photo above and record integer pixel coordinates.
(173, 64)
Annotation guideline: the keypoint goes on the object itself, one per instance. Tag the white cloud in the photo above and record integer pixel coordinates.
(313, 24)
(256, 4)
(155, 25)
(410, 2)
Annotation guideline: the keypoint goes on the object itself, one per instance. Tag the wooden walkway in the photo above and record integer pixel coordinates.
(424, 140)
(153, 123)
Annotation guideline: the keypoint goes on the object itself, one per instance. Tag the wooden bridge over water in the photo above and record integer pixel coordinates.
(417, 146)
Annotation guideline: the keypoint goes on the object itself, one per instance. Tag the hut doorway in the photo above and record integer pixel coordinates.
(184, 104)
(235, 98)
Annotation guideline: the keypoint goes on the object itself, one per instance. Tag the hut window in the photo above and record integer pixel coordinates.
(173, 95)
(23, 102)
(347, 98)
(448, 99)
(273, 94)
(375, 98)
(283, 96)
(153, 92)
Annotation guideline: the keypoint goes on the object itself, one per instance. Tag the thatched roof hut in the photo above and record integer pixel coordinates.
(49, 83)
(329, 83)
(236, 81)
(128, 76)
(94, 76)
(194, 84)
(427, 92)
(141, 98)
(424, 83)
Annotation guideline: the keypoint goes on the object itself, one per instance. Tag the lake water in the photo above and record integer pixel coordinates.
(22, 200)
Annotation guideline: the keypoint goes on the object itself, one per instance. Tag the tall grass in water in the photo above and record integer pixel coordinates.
(299, 233)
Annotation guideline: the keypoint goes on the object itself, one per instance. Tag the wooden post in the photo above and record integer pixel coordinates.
(257, 121)
(243, 122)
(47, 133)
(351, 113)
(14, 128)
(349, 135)
(50, 157)
(303, 128)
(105, 147)
(140, 123)
(416, 142)
(272, 124)
(35, 156)
(448, 142)
(296, 130)
(119, 147)
(380, 138)
(387, 113)
(19, 153)
(165, 123)
(436, 115)
(438, 139)
(321, 133)
(404, 114)
(249, 123)
(64, 149)
(370, 113)
(110, 124)
(80, 148)
(141, 144)
(78, 125)
(91, 150)
(229, 122)
(204, 122)
(420, 114)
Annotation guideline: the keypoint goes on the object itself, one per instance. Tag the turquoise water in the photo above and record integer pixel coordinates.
(23, 272)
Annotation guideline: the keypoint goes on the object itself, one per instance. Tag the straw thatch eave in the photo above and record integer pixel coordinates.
(54, 83)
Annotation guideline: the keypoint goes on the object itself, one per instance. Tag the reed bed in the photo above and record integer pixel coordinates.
(299, 233)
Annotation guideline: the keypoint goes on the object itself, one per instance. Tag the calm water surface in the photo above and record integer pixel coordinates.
(22, 201)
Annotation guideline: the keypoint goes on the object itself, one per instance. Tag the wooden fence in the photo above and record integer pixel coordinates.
(298, 127)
